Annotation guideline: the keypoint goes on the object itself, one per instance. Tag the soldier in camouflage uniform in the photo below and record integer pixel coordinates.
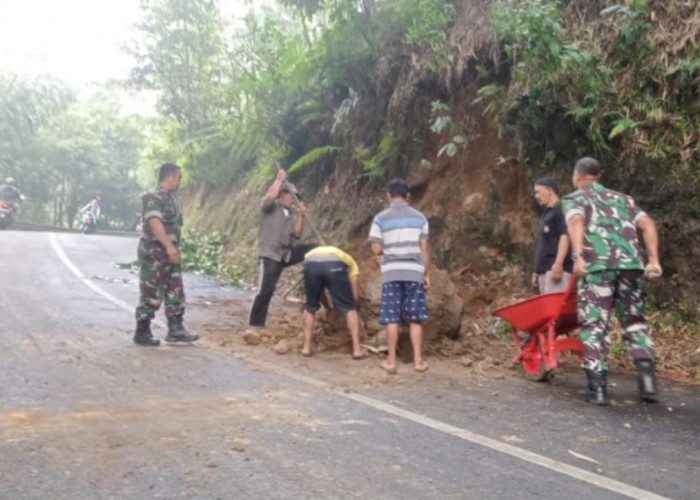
(161, 276)
(603, 227)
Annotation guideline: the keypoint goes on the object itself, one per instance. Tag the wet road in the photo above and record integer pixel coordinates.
(84, 413)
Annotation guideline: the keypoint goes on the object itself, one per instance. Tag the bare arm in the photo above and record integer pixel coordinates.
(562, 250)
(650, 235)
(161, 235)
(355, 285)
(425, 252)
(274, 190)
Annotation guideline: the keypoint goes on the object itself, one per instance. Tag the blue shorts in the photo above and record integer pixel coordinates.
(403, 300)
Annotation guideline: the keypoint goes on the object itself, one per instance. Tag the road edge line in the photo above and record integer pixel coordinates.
(437, 425)
(86, 281)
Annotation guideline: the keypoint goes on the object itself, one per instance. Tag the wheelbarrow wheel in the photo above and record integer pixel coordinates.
(533, 365)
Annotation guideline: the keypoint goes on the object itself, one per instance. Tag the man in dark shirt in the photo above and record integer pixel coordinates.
(553, 264)
(276, 234)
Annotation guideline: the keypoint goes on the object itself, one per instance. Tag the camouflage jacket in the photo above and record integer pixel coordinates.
(611, 240)
(162, 205)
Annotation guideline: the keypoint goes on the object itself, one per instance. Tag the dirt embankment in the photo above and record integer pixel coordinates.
(478, 202)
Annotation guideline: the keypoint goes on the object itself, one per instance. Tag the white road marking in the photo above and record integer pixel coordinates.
(90, 284)
(431, 423)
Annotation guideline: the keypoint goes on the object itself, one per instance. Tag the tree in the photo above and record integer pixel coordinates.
(179, 52)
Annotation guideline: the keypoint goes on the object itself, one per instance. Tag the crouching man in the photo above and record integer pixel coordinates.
(330, 268)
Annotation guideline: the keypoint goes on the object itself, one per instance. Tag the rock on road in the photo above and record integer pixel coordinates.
(85, 414)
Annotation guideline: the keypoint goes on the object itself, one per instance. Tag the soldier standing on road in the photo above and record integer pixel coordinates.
(161, 275)
(278, 230)
(606, 250)
(553, 265)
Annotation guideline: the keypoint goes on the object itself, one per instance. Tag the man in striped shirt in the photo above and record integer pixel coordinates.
(401, 234)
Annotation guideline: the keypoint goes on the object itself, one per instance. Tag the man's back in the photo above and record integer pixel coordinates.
(275, 231)
(400, 229)
(611, 240)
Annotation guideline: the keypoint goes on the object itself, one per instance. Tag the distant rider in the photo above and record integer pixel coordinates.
(10, 193)
(94, 208)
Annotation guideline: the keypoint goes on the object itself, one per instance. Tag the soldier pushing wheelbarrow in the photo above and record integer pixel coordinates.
(603, 228)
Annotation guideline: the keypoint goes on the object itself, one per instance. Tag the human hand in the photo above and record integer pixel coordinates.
(579, 266)
(281, 175)
(652, 271)
(533, 280)
(557, 272)
(426, 282)
(173, 254)
(301, 208)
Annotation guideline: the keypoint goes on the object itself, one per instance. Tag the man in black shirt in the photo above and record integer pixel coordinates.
(553, 262)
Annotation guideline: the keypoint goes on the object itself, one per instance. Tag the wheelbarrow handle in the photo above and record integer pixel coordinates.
(571, 288)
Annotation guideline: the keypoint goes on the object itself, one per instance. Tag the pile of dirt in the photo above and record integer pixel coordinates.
(444, 303)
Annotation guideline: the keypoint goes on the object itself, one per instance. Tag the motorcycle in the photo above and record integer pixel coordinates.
(88, 224)
(8, 212)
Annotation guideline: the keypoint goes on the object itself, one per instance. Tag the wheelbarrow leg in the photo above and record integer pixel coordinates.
(550, 351)
(516, 340)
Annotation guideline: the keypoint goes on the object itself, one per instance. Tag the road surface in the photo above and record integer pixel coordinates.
(84, 413)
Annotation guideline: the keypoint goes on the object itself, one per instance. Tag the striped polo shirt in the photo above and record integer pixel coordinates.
(399, 229)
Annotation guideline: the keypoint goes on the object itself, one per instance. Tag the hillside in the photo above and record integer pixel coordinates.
(473, 120)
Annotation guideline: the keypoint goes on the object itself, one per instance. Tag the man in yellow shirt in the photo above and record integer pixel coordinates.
(331, 268)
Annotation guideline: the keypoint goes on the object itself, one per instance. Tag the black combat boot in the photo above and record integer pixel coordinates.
(646, 380)
(597, 390)
(177, 332)
(143, 334)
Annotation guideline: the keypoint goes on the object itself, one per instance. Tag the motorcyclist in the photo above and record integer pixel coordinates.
(9, 192)
(92, 212)
(94, 208)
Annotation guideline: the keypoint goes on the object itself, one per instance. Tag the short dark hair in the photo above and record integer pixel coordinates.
(549, 182)
(167, 169)
(588, 166)
(397, 187)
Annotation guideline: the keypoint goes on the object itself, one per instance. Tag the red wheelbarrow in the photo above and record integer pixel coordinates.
(550, 320)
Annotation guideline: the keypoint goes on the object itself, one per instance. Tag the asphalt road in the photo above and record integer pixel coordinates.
(84, 413)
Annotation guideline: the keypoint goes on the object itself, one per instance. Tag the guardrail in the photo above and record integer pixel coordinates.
(26, 226)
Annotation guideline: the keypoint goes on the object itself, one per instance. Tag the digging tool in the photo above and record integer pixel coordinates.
(320, 238)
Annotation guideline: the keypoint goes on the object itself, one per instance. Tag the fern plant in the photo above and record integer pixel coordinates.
(313, 156)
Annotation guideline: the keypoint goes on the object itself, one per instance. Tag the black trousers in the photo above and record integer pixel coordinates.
(270, 271)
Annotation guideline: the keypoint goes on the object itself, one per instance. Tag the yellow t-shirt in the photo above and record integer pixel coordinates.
(353, 269)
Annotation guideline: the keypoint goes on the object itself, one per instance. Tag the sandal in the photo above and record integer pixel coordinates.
(422, 368)
(390, 369)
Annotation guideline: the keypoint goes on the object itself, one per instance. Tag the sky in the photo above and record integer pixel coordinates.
(77, 41)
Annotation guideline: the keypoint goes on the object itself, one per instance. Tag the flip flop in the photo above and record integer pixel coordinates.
(358, 357)
(422, 368)
(391, 370)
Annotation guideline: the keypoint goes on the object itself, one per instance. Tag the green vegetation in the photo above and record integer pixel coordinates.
(622, 91)
(63, 150)
(238, 99)
(204, 253)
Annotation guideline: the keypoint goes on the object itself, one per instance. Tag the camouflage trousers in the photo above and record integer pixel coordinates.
(598, 293)
(160, 280)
